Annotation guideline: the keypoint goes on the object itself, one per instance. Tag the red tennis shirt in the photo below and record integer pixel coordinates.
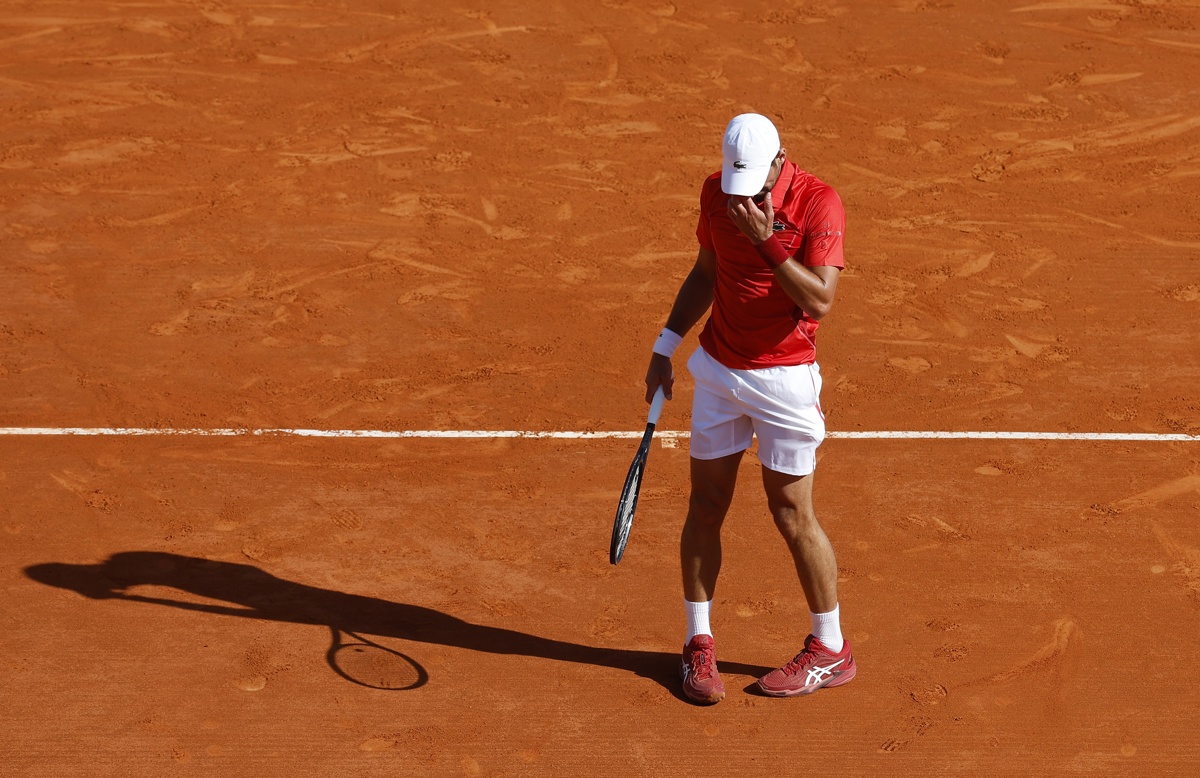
(754, 323)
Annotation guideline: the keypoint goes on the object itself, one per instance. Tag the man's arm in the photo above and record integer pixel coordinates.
(693, 300)
(811, 288)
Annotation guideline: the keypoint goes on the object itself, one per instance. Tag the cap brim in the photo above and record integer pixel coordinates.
(746, 182)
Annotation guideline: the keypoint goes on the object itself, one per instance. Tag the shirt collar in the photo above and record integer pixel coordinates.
(786, 174)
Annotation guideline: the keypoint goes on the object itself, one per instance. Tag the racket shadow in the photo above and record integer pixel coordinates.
(253, 593)
(364, 662)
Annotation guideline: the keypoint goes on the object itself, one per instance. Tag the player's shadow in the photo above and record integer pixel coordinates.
(256, 594)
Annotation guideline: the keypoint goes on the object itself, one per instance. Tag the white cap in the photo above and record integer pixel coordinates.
(750, 145)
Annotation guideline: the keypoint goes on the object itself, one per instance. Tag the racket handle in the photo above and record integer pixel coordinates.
(656, 406)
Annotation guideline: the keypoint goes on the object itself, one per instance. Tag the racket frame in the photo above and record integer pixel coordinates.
(633, 483)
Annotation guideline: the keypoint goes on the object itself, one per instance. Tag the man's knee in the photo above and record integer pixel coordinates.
(790, 499)
(794, 520)
(708, 506)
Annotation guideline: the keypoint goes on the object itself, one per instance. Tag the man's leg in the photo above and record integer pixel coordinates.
(790, 500)
(826, 659)
(713, 481)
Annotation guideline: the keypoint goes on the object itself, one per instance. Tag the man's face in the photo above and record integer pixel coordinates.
(772, 177)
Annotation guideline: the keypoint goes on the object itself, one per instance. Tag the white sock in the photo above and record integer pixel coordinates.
(827, 627)
(697, 617)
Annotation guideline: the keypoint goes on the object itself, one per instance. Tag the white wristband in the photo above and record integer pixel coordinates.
(668, 341)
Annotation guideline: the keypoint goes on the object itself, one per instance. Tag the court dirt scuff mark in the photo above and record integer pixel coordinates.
(1161, 493)
(1065, 632)
(1186, 559)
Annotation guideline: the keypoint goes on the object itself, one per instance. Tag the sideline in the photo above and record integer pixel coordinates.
(1135, 437)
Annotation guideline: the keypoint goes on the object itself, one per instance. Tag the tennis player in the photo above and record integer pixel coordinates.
(770, 253)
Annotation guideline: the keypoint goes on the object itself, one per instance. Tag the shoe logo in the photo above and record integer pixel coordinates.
(819, 674)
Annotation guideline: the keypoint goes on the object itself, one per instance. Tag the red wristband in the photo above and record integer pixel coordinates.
(772, 252)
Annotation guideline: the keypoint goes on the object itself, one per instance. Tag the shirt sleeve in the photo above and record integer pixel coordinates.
(825, 231)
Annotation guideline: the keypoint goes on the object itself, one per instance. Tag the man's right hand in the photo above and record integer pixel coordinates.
(660, 373)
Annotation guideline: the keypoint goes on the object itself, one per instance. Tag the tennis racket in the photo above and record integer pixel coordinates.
(633, 484)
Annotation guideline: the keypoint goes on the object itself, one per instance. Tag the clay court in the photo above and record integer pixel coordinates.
(395, 217)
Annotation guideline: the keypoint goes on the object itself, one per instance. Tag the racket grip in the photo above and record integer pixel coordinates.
(656, 406)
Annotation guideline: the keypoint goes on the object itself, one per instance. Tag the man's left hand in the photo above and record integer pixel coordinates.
(754, 222)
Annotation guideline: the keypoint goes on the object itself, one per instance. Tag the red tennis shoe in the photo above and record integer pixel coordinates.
(813, 668)
(701, 681)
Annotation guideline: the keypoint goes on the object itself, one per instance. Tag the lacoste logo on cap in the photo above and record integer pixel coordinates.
(740, 165)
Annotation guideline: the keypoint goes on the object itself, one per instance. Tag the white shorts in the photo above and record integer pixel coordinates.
(779, 405)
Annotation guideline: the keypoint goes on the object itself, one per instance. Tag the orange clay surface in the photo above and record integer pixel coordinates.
(402, 215)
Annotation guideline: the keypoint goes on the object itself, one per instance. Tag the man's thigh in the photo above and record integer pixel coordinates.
(713, 484)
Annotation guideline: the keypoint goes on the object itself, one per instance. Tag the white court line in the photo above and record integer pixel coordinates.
(669, 434)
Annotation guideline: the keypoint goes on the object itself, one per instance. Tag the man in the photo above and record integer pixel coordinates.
(770, 253)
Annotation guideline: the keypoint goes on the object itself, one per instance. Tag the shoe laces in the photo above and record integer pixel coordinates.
(701, 663)
(802, 660)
